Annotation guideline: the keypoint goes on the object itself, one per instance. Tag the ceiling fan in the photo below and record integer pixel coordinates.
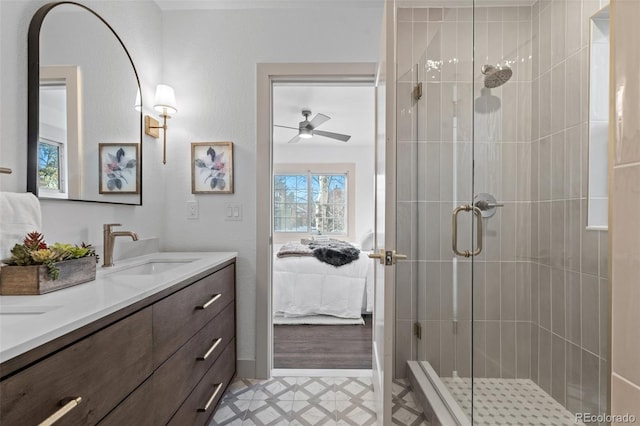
(307, 129)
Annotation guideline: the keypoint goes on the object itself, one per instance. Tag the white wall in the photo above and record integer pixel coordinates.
(210, 59)
(139, 25)
(361, 156)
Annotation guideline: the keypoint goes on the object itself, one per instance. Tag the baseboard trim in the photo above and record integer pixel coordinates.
(246, 368)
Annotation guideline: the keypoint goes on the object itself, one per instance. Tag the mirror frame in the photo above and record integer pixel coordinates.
(33, 98)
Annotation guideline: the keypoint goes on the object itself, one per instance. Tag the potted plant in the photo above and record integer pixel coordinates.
(37, 268)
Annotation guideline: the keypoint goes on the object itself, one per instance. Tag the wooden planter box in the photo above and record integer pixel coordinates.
(35, 279)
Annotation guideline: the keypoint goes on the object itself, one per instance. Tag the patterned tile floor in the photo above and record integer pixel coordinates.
(508, 402)
(312, 401)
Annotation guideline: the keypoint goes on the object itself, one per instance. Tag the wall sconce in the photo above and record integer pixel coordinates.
(165, 104)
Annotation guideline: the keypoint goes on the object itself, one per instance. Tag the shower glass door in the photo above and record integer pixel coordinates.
(435, 156)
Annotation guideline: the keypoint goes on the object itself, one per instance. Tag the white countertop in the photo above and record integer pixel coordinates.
(27, 322)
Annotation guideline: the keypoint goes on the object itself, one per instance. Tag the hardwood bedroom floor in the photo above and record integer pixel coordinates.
(323, 346)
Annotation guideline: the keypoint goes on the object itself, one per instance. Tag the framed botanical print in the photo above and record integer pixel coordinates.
(212, 168)
(119, 168)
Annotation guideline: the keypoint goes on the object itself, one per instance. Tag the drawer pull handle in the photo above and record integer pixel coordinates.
(68, 404)
(210, 400)
(211, 349)
(210, 302)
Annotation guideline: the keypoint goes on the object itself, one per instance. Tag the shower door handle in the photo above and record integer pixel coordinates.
(454, 230)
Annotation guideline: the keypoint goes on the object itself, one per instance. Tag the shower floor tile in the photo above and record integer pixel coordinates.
(508, 402)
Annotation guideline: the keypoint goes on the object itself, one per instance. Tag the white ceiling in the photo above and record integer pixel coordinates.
(263, 4)
(351, 109)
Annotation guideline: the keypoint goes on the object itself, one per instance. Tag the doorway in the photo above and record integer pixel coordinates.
(269, 76)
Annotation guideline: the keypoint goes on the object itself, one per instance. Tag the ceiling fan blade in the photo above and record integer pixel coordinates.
(295, 139)
(318, 120)
(332, 135)
(285, 127)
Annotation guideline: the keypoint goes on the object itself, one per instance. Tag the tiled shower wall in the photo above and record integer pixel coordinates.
(539, 285)
(569, 262)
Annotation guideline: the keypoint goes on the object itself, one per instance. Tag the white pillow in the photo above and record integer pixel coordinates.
(366, 241)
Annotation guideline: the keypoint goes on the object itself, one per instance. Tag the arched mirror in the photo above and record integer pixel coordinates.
(85, 119)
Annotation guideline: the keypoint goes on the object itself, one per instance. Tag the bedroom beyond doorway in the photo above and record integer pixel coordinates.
(322, 216)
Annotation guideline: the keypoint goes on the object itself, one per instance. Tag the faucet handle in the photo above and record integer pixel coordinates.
(108, 226)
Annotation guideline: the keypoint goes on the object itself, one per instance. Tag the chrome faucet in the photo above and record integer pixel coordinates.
(109, 236)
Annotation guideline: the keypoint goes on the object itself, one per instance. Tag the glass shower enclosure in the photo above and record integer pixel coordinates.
(502, 302)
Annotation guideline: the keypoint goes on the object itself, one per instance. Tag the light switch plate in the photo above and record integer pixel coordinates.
(233, 211)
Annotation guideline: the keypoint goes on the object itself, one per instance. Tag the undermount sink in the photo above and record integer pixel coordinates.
(150, 267)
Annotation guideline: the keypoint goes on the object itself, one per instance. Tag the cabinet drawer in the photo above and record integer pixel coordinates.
(181, 315)
(202, 402)
(177, 377)
(136, 410)
(101, 369)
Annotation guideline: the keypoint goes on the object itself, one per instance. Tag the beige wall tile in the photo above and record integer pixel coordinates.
(493, 348)
(573, 306)
(625, 398)
(626, 264)
(558, 296)
(545, 40)
(558, 382)
(508, 349)
(523, 346)
(591, 313)
(590, 382)
(479, 349)
(558, 22)
(573, 378)
(558, 95)
(626, 34)
(544, 360)
(574, 26)
(404, 289)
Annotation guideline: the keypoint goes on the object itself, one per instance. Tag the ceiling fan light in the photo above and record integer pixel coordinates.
(305, 133)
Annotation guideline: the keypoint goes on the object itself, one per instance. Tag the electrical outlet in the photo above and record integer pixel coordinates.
(192, 209)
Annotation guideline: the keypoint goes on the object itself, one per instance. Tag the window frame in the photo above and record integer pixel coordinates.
(309, 169)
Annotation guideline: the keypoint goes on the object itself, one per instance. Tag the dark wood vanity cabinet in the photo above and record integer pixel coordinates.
(168, 362)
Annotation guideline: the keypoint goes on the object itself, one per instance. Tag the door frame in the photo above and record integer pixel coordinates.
(267, 73)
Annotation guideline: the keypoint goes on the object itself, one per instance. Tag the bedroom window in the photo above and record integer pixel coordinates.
(311, 203)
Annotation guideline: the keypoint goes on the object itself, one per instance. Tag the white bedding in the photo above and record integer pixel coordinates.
(306, 286)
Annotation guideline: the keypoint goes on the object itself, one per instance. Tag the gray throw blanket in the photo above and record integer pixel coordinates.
(294, 249)
(334, 252)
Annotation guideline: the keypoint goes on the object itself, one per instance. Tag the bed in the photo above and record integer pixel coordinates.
(305, 287)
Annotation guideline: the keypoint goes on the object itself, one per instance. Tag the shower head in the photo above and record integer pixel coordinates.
(496, 77)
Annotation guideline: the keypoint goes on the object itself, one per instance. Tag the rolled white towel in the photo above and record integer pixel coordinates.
(19, 215)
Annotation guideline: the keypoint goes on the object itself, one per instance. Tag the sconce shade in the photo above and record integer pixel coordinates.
(165, 100)
(138, 105)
